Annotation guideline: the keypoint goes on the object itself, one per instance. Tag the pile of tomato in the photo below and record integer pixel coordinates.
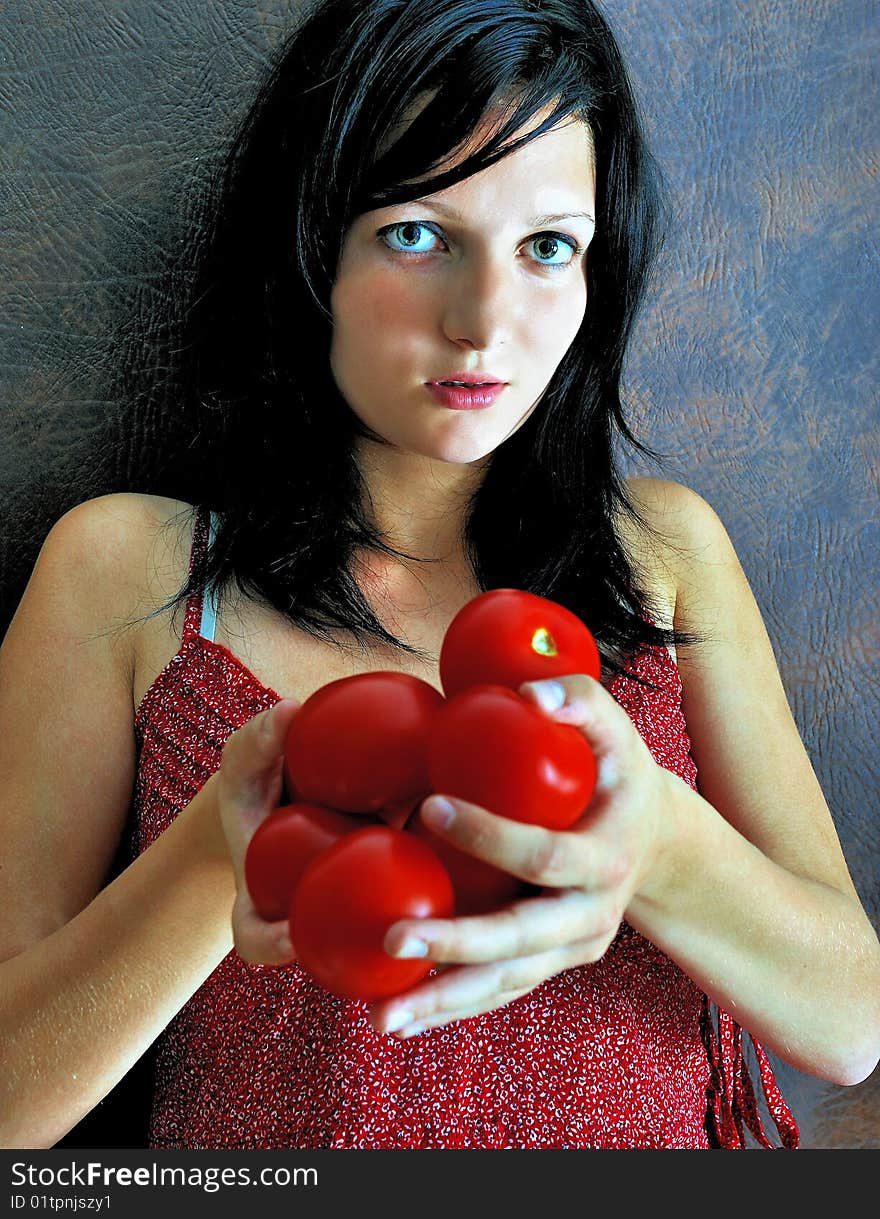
(349, 855)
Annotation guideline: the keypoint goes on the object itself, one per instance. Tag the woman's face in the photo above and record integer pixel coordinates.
(485, 279)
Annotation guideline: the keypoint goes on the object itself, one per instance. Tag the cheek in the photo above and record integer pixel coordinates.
(394, 313)
(554, 322)
(577, 301)
(378, 327)
(376, 306)
(378, 324)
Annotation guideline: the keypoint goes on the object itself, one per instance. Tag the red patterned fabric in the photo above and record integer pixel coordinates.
(622, 1053)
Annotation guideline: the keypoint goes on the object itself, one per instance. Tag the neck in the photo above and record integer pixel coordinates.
(418, 504)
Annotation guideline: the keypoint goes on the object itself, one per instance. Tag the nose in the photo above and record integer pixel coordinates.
(478, 305)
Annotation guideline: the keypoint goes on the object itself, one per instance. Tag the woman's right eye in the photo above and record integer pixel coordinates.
(407, 237)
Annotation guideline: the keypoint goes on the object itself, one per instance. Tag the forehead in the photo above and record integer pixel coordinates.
(551, 175)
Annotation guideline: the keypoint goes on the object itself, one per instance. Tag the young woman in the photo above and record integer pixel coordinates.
(425, 192)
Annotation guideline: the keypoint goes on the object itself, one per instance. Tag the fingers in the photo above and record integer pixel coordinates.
(466, 991)
(525, 928)
(588, 706)
(555, 858)
(471, 990)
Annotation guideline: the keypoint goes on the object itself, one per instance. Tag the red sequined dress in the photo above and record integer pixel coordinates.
(623, 1053)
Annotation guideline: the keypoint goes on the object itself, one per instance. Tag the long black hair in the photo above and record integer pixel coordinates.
(271, 441)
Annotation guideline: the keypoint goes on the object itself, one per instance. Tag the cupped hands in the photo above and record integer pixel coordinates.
(587, 875)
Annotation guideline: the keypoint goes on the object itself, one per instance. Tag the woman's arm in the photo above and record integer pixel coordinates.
(79, 1007)
(744, 886)
(90, 976)
(757, 904)
(793, 959)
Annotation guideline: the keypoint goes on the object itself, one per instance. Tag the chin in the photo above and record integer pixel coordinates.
(461, 451)
(465, 441)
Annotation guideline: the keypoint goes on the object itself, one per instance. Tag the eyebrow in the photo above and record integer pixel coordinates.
(553, 218)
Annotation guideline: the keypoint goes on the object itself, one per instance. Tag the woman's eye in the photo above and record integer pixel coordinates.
(548, 245)
(408, 237)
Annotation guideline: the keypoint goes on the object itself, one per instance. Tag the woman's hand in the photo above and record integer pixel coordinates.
(249, 788)
(589, 875)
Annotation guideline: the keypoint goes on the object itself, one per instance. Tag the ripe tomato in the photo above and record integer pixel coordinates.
(399, 815)
(492, 748)
(505, 637)
(282, 847)
(349, 896)
(479, 886)
(359, 744)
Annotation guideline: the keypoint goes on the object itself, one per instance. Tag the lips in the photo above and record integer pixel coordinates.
(465, 395)
(467, 379)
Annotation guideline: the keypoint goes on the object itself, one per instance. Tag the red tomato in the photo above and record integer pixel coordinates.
(492, 748)
(349, 896)
(359, 744)
(479, 886)
(282, 847)
(505, 637)
(399, 815)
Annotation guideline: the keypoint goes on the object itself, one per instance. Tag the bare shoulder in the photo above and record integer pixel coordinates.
(665, 540)
(132, 547)
(686, 539)
(129, 532)
(113, 519)
(713, 597)
(680, 518)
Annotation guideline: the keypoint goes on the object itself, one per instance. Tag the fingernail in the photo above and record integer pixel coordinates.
(550, 694)
(398, 1020)
(411, 1031)
(411, 947)
(439, 812)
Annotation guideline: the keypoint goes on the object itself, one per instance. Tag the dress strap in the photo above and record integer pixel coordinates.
(731, 1094)
(210, 606)
(193, 622)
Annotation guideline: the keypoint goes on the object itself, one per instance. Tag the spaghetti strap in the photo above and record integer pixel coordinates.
(209, 607)
(193, 621)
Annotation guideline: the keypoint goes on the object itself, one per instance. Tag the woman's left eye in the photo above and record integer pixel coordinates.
(406, 233)
(409, 237)
(558, 245)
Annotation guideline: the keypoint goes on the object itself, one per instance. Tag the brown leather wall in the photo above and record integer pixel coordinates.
(755, 367)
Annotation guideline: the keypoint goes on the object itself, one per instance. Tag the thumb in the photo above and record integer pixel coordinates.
(589, 707)
(249, 789)
(257, 941)
(250, 775)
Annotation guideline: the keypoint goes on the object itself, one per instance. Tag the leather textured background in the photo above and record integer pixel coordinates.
(755, 366)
